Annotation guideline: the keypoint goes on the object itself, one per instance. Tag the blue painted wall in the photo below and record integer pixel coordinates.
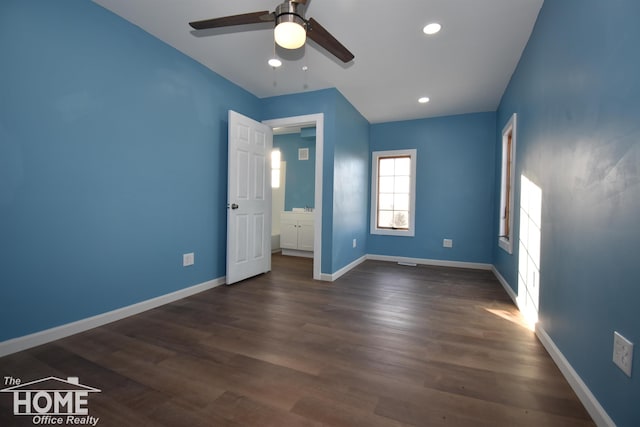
(454, 186)
(350, 184)
(346, 132)
(300, 179)
(112, 165)
(577, 95)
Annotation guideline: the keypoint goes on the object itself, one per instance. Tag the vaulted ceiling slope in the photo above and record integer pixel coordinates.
(464, 68)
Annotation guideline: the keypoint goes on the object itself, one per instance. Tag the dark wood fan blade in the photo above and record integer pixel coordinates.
(227, 21)
(320, 35)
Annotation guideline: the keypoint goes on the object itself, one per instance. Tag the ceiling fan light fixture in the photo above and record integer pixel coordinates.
(291, 28)
(290, 34)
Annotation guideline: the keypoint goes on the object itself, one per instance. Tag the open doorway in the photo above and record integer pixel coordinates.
(305, 223)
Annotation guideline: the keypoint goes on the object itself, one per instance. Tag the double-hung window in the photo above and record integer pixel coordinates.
(393, 188)
(505, 238)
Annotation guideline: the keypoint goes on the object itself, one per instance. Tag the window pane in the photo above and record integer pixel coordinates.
(386, 202)
(403, 166)
(386, 184)
(401, 202)
(385, 219)
(386, 167)
(402, 184)
(401, 219)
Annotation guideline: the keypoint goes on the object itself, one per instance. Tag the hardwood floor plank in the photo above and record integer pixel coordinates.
(260, 388)
(546, 393)
(248, 412)
(176, 412)
(471, 414)
(333, 413)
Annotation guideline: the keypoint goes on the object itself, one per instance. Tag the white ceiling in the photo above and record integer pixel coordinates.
(464, 68)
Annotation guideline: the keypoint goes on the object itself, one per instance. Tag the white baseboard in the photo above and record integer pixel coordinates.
(435, 262)
(32, 340)
(296, 252)
(591, 404)
(505, 285)
(423, 261)
(344, 270)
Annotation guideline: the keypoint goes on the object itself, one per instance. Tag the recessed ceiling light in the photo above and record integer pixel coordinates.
(423, 100)
(274, 62)
(432, 28)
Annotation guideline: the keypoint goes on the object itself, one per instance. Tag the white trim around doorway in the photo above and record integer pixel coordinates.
(318, 121)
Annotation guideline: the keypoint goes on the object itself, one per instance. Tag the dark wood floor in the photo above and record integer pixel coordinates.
(385, 345)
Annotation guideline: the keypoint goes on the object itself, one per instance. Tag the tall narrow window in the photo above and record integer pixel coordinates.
(275, 169)
(505, 238)
(393, 183)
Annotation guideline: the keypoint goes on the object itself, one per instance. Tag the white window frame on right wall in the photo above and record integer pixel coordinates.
(507, 185)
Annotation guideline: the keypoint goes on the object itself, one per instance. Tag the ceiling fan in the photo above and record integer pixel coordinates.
(291, 28)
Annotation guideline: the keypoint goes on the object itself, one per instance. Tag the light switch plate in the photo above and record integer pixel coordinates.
(447, 243)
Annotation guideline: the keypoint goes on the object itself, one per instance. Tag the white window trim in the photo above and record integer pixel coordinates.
(506, 242)
(412, 153)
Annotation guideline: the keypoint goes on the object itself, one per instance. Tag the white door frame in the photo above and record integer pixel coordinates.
(318, 121)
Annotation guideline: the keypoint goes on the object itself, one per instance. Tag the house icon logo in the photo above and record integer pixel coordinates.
(51, 400)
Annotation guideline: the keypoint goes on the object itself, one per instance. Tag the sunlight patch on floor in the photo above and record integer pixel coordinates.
(518, 318)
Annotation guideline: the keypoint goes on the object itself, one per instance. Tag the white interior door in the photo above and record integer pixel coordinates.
(248, 198)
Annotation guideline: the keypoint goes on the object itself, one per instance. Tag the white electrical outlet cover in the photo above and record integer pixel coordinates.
(622, 353)
(187, 259)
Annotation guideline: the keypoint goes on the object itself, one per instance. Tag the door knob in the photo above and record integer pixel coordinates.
(234, 206)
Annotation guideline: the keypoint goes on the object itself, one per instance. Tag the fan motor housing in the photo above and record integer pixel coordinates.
(290, 11)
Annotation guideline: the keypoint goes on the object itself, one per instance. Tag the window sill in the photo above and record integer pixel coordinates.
(399, 233)
(505, 244)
